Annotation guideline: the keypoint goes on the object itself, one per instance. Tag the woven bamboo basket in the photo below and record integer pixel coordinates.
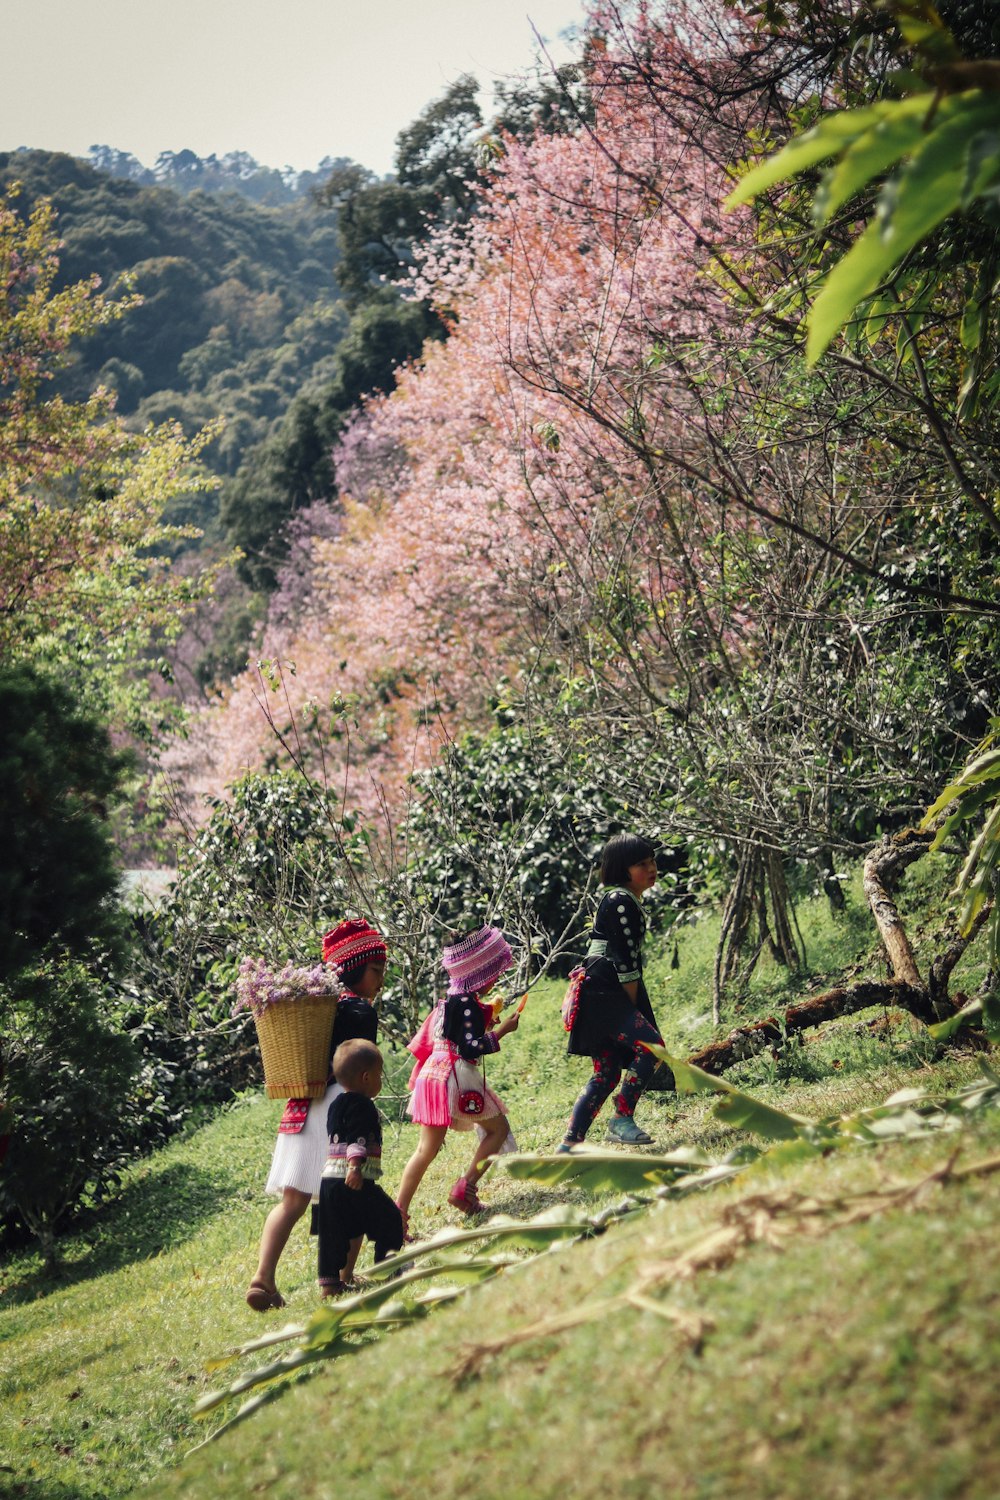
(295, 1046)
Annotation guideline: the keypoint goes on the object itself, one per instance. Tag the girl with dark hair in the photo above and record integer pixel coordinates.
(609, 1010)
(448, 1081)
(358, 953)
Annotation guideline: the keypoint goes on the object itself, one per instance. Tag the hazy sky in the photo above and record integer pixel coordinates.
(290, 82)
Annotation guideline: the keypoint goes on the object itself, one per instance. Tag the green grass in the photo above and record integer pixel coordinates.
(856, 1362)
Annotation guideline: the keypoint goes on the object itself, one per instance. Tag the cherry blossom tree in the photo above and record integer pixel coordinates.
(616, 487)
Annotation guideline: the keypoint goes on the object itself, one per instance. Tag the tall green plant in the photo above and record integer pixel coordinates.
(973, 800)
(938, 150)
(64, 1058)
(910, 164)
(67, 1074)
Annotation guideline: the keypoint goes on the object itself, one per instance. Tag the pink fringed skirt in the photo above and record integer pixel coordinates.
(435, 1092)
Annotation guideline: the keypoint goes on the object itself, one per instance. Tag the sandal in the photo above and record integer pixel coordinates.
(408, 1238)
(262, 1298)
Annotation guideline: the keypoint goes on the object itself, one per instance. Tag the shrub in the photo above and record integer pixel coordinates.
(58, 870)
(506, 817)
(67, 1076)
(265, 877)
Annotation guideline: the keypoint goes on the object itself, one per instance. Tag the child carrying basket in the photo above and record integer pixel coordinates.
(354, 958)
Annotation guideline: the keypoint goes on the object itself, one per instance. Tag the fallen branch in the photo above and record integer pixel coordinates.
(906, 990)
(747, 1041)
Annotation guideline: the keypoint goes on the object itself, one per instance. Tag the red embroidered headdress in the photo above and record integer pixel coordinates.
(352, 943)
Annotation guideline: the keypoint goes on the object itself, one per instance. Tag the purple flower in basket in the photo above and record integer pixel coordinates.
(258, 986)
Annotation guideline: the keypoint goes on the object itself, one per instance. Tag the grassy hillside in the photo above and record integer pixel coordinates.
(825, 1344)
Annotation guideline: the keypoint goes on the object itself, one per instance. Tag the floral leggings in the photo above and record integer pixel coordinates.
(608, 1070)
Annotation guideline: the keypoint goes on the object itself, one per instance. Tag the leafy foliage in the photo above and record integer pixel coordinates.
(87, 579)
(65, 1061)
(512, 787)
(944, 141)
(974, 795)
(58, 869)
(293, 467)
(263, 878)
(941, 146)
(67, 1074)
(218, 274)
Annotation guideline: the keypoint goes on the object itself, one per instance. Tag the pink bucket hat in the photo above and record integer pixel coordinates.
(476, 961)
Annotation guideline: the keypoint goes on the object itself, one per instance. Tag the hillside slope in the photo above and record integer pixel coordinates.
(820, 1343)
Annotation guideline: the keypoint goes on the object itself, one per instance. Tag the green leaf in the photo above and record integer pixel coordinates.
(739, 1110)
(991, 1015)
(595, 1171)
(240, 1415)
(899, 1125)
(904, 1097)
(922, 194)
(945, 1029)
(745, 1113)
(827, 138)
(889, 138)
(880, 311)
(555, 1223)
(982, 166)
(791, 1152)
(973, 322)
(922, 29)
(967, 807)
(983, 768)
(688, 1078)
(287, 1365)
(976, 874)
(696, 1182)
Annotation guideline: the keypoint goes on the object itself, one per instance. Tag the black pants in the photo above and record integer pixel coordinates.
(608, 1066)
(347, 1213)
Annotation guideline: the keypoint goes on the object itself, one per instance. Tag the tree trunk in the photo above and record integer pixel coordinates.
(883, 864)
(905, 990)
(759, 880)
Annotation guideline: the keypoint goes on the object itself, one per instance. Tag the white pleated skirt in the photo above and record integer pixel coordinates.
(298, 1160)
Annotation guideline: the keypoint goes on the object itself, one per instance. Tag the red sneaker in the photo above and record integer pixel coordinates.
(464, 1197)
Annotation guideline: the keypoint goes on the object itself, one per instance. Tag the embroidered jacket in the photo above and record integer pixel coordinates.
(355, 1131)
(355, 1018)
(619, 927)
(464, 1024)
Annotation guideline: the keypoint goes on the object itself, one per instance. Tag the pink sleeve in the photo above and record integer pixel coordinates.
(422, 1043)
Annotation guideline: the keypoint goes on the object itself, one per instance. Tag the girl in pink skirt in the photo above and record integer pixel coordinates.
(448, 1081)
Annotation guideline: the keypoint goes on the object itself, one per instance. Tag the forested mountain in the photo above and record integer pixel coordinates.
(276, 312)
(236, 172)
(239, 303)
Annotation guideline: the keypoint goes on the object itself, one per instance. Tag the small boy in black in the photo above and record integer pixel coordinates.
(352, 1205)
